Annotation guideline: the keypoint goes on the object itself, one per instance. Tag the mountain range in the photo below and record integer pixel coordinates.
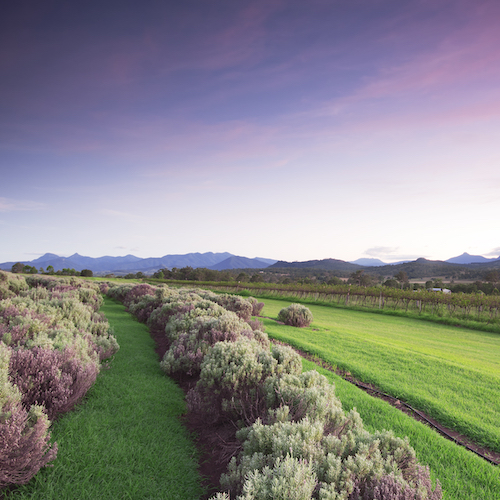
(465, 258)
(133, 264)
(225, 260)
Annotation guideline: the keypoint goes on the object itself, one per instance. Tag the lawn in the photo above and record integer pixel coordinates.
(451, 373)
(462, 474)
(126, 440)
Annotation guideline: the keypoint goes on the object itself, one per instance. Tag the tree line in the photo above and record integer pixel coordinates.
(20, 268)
(490, 284)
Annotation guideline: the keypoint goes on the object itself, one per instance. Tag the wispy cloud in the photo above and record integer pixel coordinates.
(119, 214)
(378, 251)
(127, 249)
(493, 253)
(12, 205)
(389, 254)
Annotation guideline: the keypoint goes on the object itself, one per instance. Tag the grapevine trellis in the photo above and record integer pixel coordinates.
(475, 306)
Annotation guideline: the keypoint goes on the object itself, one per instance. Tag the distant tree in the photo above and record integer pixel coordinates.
(69, 272)
(360, 278)
(492, 276)
(334, 280)
(86, 273)
(401, 277)
(392, 283)
(50, 269)
(41, 271)
(306, 281)
(256, 278)
(355, 277)
(242, 277)
(30, 269)
(163, 274)
(368, 280)
(17, 267)
(186, 273)
(227, 276)
(139, 275)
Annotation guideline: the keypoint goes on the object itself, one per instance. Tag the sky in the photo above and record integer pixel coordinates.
(284, 129)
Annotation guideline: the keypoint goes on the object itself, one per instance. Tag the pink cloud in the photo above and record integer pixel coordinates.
(12, 205)
(468, 57)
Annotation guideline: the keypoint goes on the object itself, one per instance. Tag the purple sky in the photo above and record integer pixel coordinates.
(283, 129)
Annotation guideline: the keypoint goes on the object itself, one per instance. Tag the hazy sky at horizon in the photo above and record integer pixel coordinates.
(277, 128)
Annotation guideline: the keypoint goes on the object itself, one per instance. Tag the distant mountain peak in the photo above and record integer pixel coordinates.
(46, 256)
(466, 258)
(131, 263)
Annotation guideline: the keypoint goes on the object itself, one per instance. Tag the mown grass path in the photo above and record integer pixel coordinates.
(126, 440)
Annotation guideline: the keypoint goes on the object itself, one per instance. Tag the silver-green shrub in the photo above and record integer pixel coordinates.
(263, 445)
(242, 307)
(232, 376)
(346, 459)
(51, 342)
(287, 479)
(307, 394)
(239, 305)
(16, 283)
(56, 322)
(179, 315)
(296, 315)
(188, 348)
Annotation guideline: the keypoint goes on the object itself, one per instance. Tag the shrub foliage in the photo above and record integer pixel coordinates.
(294, 440)
(296, 315)
(52, 340)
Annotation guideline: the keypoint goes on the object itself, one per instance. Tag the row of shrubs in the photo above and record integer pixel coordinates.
(293, 439)
(52, 343)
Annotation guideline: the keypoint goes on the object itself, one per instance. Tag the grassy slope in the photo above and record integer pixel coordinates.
(463, 475)
(356, 339)
(451, 373)
(126, 441)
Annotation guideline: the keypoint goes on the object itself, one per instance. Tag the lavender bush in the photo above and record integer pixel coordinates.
(296, 315)
(24, 433)
(54, 379)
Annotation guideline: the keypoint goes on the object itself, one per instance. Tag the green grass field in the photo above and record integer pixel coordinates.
(453, 374)
(462, 474)
(126, 440)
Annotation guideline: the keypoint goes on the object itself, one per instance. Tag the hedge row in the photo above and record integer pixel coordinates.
(294, 440)
(52, 341)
